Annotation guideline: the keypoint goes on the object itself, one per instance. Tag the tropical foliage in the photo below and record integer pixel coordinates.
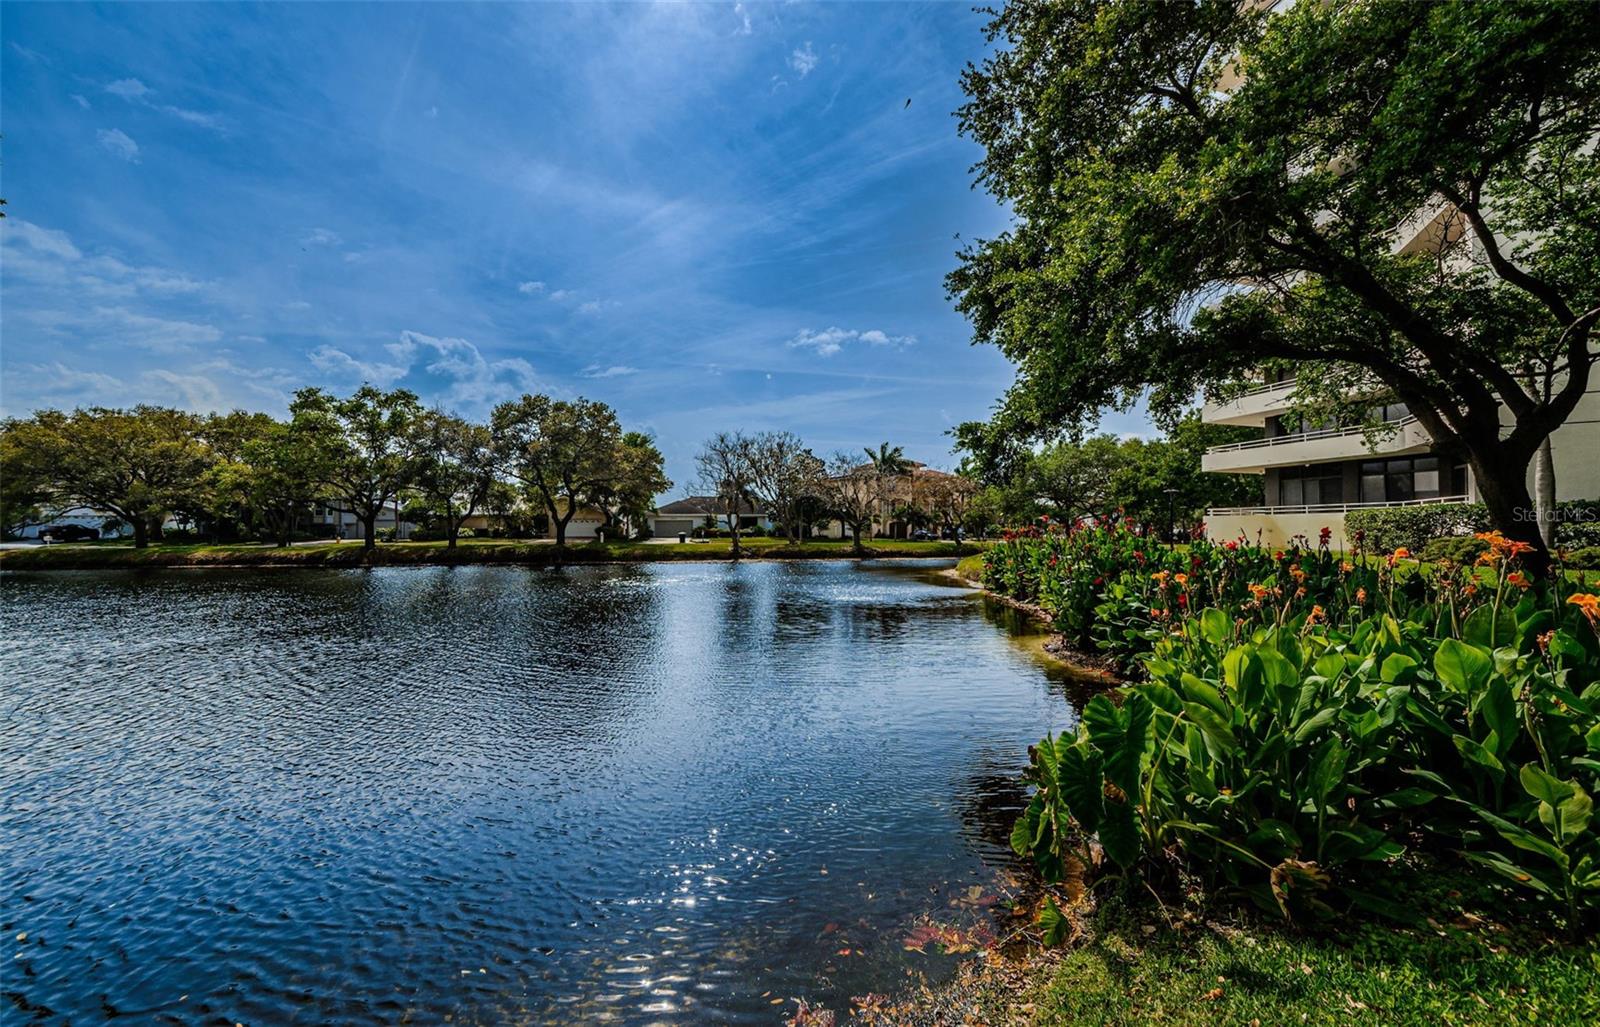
(1300, 717)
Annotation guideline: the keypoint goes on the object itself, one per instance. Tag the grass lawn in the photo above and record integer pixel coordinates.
(114, 554)
(1455, 967)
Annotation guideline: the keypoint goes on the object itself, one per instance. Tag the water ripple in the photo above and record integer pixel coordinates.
(640, 794)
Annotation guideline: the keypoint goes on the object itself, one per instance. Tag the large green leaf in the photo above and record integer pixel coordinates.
(1054, 923)
(1328, 769)
(1499, 712)
(1544, 786)
(1218, 732)
(1119, 834)
(1215, 626)
(1395, 665)
(1474, 752)
(1314, 723)
(1082, 785)
(1027, 827)
(1461, 666)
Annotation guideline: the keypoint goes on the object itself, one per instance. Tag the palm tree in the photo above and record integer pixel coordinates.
(888, 462)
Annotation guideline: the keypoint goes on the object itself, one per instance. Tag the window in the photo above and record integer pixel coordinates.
(1404, 478)
(1314, 485)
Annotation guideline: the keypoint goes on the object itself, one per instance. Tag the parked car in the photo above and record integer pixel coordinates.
(69, 533)
(922, 535)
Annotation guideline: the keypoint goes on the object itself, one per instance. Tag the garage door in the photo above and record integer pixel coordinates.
(673, 526)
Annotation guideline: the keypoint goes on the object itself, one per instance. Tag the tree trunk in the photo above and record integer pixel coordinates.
(733, 533)
(855, 538)
(141, 533)
(369, 531)
(1503, 488)
(1544, 489)
(561, 530)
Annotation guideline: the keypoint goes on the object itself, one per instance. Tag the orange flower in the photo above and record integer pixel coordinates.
(1589, 604)
(1297, 573)
(1259, 591)
(1361, 595)
(1345, 566)
(1518, 579)
(1159, 576)
(1315, 615)
(1518, 548)
(1182, 579)
(1402, 553)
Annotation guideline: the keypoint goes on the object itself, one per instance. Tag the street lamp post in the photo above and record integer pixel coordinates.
(1171, 523)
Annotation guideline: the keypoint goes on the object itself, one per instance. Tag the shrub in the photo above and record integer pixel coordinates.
(756, 531)
(1385, 529)
(1462, 550)
(1284, 743)
(1587, 558)
(1578, 524)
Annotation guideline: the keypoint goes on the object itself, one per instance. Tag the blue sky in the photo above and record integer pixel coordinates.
(711, 216)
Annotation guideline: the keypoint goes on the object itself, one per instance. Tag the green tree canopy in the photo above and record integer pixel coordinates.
(1203, 189)
(564, 452)
(137, 464)
(456, 466)
(363, 448)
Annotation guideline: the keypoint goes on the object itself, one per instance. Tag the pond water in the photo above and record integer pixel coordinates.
(673, 793)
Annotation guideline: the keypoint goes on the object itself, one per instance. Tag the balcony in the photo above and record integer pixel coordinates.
(1252, 408)
(1406, 436)
(1283, 525)
(1324, 508)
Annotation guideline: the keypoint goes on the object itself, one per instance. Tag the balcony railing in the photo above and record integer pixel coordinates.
(1318, 508)
(1389, 427)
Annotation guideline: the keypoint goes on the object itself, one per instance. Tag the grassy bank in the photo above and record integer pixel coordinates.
(1132, 967)
(112, 555)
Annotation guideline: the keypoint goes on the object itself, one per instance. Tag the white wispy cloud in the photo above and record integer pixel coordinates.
(614, 371)
(321, 237)
(743, 14)
(122, 327)
(48, 241)
(202, 387)
(469, 379)
(804, 59)
(336, 362)
(128, 88)
(135, 91)
(529, 288)
(591, 307)
(80, 100)
(48, 257)
(119, 143)
(833, 339)
(562, 295)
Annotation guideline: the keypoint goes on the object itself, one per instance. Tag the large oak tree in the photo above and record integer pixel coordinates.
(563, 452)
(138, 464)
(363, 447)
(1203, 189)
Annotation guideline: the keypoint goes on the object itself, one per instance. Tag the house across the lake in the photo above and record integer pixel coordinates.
(683, 516)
